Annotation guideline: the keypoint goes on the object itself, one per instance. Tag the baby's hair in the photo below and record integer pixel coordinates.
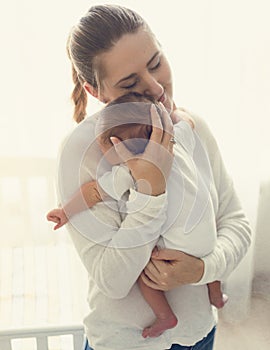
(129, 119)
(132, 97)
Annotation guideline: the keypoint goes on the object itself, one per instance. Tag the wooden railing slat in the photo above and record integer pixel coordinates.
(41, 335)
(42, 343)
(5, 344)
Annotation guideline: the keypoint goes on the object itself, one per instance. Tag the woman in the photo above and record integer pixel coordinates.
(113, 51)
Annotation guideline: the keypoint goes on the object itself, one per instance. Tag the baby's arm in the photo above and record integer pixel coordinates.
(86, 197)
(116, 182)
(113, 183)
(58, 216)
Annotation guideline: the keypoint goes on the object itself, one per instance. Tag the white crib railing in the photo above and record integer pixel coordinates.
(29, 249)
(41, 336)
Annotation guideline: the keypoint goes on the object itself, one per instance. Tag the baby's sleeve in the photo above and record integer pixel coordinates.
(117, 181)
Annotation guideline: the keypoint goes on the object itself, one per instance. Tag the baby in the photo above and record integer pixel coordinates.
(132, 125)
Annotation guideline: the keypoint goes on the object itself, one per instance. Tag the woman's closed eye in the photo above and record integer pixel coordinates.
(130, 86)
(155, 67)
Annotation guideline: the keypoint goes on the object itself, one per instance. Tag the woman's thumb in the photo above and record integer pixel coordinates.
(166, 254)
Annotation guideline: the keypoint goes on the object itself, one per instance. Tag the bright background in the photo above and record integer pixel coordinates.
(219, 52)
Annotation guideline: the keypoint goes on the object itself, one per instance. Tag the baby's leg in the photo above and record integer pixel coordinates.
(166, 318)
(217, 298)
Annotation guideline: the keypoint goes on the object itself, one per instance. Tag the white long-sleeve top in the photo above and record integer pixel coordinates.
(115, 251)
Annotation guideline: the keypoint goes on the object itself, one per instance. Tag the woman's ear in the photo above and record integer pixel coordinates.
(89, 88)
(94, 92)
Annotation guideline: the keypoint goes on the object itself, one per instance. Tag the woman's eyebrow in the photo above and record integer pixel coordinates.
(133, 75)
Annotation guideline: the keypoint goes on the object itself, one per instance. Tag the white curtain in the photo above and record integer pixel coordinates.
(219, 52)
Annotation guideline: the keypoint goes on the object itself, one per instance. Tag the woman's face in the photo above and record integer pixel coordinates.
(136, 63)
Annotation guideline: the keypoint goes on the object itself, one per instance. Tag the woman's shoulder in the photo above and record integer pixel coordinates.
(78, 158)
(79, 137)
(201, 128)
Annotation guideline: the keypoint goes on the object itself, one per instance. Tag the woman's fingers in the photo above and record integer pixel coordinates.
(158, 272)
(157, 129)
(177, 268)
(154, 285)
(121, 149)
(149, 282)
(151, 271)
(162, 128)
(168, 131)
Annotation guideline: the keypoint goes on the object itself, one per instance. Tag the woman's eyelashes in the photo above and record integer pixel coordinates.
(152, 69)
(130, 86)
(155, 67)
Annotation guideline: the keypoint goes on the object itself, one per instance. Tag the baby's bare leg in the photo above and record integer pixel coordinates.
(166, 318)
(217, 298)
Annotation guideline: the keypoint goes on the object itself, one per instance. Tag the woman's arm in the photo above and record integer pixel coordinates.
(115, 252)
(233, 229)
(170, 268)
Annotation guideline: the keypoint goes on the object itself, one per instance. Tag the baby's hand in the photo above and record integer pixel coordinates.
(58, 216)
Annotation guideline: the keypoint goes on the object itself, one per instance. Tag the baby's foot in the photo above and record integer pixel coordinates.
(159, 326)
(219, 302)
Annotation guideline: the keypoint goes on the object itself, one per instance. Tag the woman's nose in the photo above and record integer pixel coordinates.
(153, 87)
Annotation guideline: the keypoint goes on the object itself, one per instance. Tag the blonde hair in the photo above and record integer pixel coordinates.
(96, 33)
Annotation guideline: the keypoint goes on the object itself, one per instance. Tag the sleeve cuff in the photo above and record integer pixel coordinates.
(116, 182)
(139, 201)
(208, 273)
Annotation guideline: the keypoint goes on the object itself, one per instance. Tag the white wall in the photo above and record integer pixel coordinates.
(262, 244)
(219, 51)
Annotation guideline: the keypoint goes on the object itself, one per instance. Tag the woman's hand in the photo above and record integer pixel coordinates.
(151, 169)
(169, 268)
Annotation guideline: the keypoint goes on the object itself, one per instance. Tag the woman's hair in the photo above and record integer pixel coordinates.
(128, 118)
(97, 32)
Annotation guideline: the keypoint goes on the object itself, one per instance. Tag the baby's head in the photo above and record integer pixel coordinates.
(129, 119)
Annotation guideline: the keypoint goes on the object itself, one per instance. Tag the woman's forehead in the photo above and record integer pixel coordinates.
(129, 55)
